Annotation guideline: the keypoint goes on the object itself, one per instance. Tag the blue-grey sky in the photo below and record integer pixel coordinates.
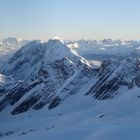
(70, 19)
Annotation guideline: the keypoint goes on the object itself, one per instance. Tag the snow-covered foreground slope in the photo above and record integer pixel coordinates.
(78, 118)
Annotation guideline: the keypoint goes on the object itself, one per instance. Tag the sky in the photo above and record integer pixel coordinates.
(70, 19)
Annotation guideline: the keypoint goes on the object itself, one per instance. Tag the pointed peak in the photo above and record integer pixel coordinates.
(56, 40)
(57, 49)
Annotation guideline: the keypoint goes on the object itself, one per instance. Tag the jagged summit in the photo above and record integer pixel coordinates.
(57, 49)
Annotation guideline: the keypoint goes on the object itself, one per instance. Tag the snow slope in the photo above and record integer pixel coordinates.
(79, 118)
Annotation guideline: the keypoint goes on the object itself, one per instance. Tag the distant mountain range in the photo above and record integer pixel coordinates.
(106, 49)
(13, 42)
(9, 46)
(90, 49)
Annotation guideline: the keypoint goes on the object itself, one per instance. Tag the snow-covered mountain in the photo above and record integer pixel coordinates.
(56, 94)
(28, 62)
(48, 74)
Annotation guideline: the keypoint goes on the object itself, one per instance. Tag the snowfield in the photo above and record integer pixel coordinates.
(83, 119)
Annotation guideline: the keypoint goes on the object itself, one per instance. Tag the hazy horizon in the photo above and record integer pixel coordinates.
(64, 39)
(71, 20)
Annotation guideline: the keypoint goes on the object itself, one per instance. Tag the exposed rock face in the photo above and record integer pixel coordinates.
(51, 72)
(114, 76)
